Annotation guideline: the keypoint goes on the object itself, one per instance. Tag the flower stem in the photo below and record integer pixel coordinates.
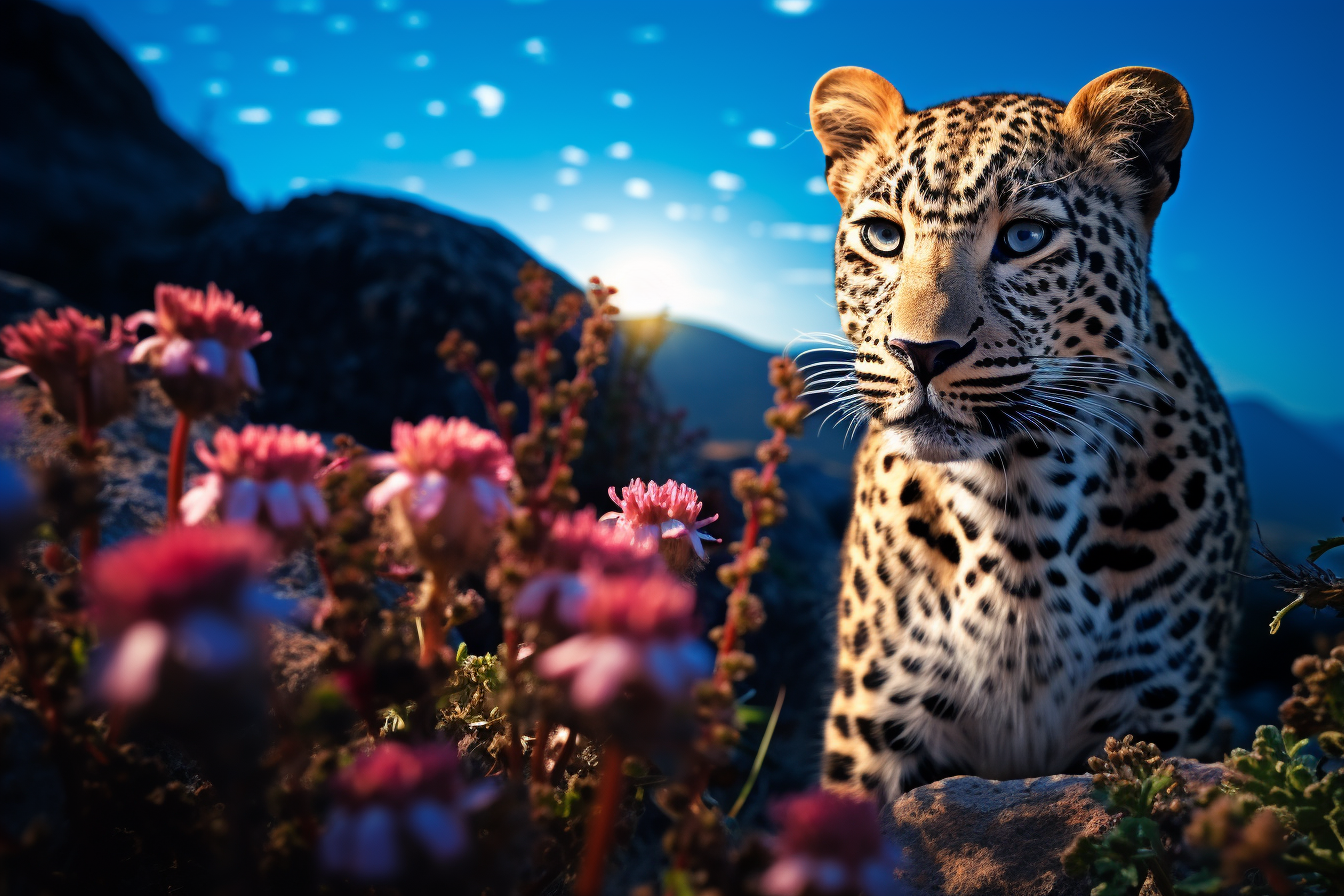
(432, 622)
(539, 738)
(750, 535)
(177, 467)
(511, 642)
(602, 823)
(88, 437)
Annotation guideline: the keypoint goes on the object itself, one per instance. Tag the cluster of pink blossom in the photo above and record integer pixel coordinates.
(669, 514)
(616, 642)
(264, 474)
(80, 365)
(830, 843)
(191, 596)
(448, 490)
(396, 797)
(201, 350)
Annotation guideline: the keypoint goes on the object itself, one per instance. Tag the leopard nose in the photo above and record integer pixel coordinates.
(928, 359)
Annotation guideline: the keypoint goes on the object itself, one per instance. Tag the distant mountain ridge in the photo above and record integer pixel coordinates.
(1295, 467)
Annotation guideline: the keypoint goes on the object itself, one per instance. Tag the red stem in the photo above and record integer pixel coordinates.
(602, 823)
(177, 467)
(511, 673)
(542, 349)
(491, 405)
(539, 738)
(88, 436)
(750, 535)
(431, 622)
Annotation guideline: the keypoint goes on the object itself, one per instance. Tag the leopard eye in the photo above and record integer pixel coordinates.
(1023, 237)
(882, 237)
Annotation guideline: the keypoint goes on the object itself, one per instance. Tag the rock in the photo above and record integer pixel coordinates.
(89, 172)
(968, 836)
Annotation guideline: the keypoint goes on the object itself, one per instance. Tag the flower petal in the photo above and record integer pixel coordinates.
(787, 877)
(144, 347)
(210, 642)
(242, 501)
(132, 674)
(672, 529)
(439, 829)
(375, 855)
(282, 504)
(427, 495)
(609, 517)
(177, 356)
(248, 365)
(210, 358)
(13, 373)
(613, 663)
(312, 502)
(338, 841)
(383, 461)
(382, 494)
(204, 497)
(566, 657)
(490, 498)
(141, 319)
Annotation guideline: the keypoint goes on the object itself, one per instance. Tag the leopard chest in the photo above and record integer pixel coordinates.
(962, 600)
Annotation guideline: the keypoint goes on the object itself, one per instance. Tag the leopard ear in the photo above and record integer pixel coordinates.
(851, 109)
(1143, 117)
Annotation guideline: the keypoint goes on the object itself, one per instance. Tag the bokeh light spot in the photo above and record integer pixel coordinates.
(620, 150)
(254, 115)
(572, 155)
(761, 137)
(726, 181)
(596, 222)
(322, 118)
(150, 53)
(489, 98)
(638, 188)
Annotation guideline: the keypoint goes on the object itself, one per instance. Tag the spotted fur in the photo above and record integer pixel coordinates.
(1043, 541)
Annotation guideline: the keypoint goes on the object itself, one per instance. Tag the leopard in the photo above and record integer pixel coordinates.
(1049, 503)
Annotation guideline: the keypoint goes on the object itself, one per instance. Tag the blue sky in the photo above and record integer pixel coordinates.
(665, 145)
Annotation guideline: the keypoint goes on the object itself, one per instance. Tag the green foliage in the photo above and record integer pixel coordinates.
(1280, 773)
(1117, 862)
(1325, 544)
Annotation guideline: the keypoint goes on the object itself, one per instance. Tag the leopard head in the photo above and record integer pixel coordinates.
(992, 255)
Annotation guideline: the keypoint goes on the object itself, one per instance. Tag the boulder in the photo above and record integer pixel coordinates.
(967, 836)
(89, 172)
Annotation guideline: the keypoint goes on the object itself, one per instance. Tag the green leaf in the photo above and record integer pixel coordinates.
(1202, 881)
(1325, 544)
(751, 715)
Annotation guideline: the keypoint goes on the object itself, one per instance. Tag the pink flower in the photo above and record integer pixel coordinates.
(577, 542)
(447, 490)
(830, 843)
(202, 350)
(186, 594)
(76, 361)
(394, 795)
(262, 474)
(637, 631)
(667, 511)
